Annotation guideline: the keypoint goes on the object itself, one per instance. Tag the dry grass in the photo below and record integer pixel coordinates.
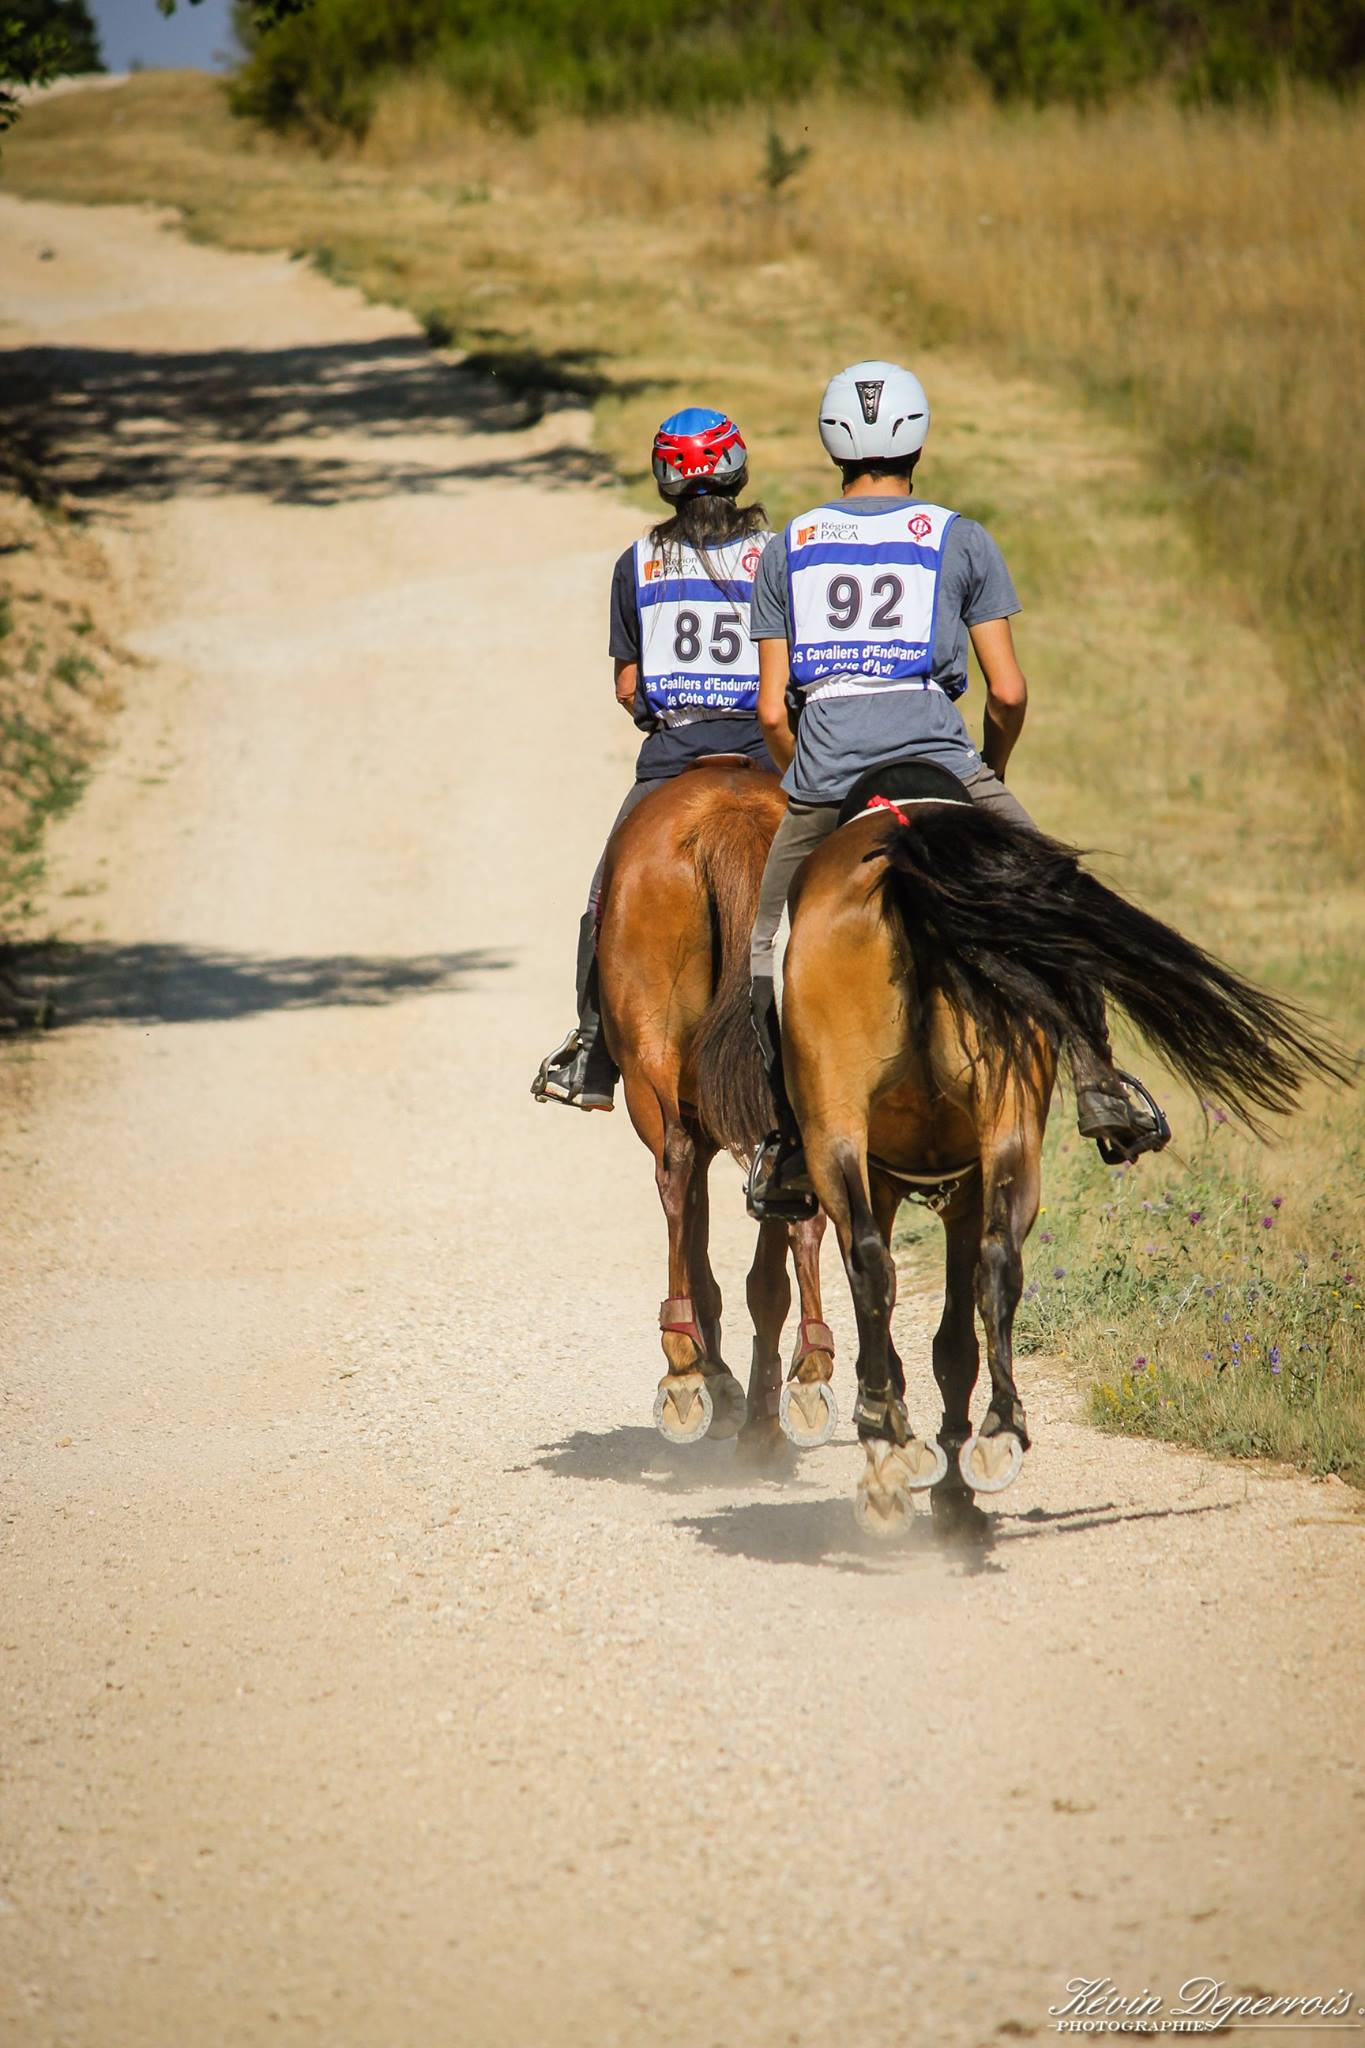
(1025, 263)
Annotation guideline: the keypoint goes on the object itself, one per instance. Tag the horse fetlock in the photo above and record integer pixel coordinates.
(881, 1417)
(998, 1422)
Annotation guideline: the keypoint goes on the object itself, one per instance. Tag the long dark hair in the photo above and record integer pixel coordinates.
(706, 520)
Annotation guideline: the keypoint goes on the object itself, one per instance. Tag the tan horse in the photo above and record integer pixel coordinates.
(937, 960)
(679, 895)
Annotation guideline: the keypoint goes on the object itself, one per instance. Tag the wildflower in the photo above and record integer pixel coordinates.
(1227, 1315)
(1209, 1293)
(1267, 1223)
(1196, 1215)
(1208, 1354)
(1147, 1206)
(1059, 1272)
(1277, 1201)
(1045, 1237)
(1030, 1290)
(1347, 1279)
(1140, 1361)
(1274, 1358)
(1148, 1250)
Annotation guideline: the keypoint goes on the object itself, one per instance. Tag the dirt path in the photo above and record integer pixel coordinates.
(372, 1673)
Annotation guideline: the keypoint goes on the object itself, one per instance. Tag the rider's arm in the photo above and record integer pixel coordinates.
(627, 682)
(774, 672)
(1006, 691)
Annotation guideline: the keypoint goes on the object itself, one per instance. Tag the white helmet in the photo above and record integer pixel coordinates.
(873, 412)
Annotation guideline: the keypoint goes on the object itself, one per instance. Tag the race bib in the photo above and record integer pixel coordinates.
(864, 591)
(696, 655)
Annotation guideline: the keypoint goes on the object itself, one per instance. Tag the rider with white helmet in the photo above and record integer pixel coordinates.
(686, 670)
(863, 611)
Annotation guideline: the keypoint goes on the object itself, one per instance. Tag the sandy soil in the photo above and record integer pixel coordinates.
(372, 1673)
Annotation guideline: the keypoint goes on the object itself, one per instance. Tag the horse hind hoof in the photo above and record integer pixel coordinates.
(882, 1506)
(808, 1413)
(683, 1408)
(729, 1405)
(989, 1464)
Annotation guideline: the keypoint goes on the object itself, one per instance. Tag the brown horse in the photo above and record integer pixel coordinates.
(679, 895)
(936, 963)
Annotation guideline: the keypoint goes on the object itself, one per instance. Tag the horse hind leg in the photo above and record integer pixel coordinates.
(698, 1396)
(769, 1295)
(807, 1409)
(899, 1463)
(991, 1459)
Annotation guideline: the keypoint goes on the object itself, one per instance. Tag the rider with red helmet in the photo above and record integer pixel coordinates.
(686, 670)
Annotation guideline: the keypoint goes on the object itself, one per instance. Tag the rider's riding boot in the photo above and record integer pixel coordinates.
(1112, 1107)
(581, 1071)
(779, 1188)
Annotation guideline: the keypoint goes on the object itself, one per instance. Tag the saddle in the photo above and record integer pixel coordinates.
(724, 761)
(903, 782)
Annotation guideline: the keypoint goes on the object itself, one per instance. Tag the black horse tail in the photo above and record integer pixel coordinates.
(729, 845)
(1017, 935)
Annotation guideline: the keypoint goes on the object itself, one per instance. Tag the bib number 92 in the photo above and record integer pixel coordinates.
(726, 644)
(844, 601)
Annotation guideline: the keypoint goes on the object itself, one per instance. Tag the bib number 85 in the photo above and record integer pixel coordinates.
(844, 601)
(726, 644)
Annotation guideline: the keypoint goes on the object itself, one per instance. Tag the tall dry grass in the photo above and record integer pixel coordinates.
(1200, 273)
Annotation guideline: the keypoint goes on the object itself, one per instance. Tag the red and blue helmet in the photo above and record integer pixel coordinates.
(698, 450)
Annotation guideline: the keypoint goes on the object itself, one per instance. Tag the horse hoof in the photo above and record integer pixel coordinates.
(729, 1403)
(882, 1505)
(989, 1464)
(683, 1408)
(808, 1413)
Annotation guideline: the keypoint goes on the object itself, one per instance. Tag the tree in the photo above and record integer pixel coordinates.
(40, 40)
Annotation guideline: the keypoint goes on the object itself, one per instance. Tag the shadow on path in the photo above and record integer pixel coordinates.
(99, 423)
(820, 1531)
(823, 1532)
(174, 984)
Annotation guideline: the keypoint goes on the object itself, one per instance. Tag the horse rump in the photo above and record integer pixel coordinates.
(1018, 936)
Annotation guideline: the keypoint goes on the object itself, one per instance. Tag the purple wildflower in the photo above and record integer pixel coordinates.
(1196, 1215)
(1277, 1201)
(1274, 1358)
(1148, 1250)
(1140, 1361)
(1267, 1223)
(1045, 1237)
(1059, 1272)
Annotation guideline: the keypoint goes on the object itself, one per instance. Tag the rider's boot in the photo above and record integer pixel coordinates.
(1112, 1107)
(778, 1188)
(581, 1072)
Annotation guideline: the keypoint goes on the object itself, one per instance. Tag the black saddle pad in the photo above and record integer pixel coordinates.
(901, 782)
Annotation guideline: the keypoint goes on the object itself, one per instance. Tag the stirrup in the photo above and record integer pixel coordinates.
(557, 1062)
(1148, 1130)
(766, 1199)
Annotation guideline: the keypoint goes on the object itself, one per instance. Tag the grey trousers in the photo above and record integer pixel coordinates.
(636, 794)
(806, 826)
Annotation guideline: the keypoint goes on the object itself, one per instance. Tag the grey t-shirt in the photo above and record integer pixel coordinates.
(840, 738)
(670, 749)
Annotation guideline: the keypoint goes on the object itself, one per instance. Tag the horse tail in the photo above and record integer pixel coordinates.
(729, 846)
(1017, 935)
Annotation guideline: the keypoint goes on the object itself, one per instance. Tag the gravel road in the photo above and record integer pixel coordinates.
(372, 1673)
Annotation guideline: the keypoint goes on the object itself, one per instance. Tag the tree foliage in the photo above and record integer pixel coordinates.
(40, 40)
(322, 67)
